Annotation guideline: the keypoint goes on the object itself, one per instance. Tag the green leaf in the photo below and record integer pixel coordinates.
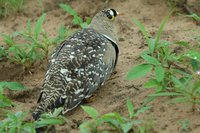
(151, 45)
(161, 94)
(48, 121)
(194, 16)
(29, 26)
(182, 72)
(193, 54)
(142, 29)
(180, 100)
(114, 118)
(159, 73)
(11, 85)
(161, 28)
(29, 128)
(68, 9)
(139, 71)
(177, 82)
(5, 102)
(90, 111)
(142, 129)
(38, 26)
(182, 43)
(151, 83)
(141, 110)
(127, 126)
(84, 25)
(194, 64)
(130, 107)
(77, 19)
(8, 39)
(57, 111)
(84, 127)
(12, 130)
(150, 59)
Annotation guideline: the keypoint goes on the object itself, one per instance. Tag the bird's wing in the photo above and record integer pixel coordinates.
(76, 69)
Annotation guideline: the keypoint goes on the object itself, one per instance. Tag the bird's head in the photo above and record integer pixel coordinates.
(107, 14)
(104, 22)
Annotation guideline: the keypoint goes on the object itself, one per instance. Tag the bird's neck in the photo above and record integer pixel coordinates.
(108, 30)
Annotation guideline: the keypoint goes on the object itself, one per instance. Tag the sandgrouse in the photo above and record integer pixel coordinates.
(80, 65)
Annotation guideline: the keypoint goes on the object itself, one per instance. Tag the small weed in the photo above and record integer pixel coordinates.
(41, 5)
(10, 6)
(36, 44)
(184, 125)
(14, 86)
(3, 52)
(76, 19)
(175, 73)
(114, 120)
(194, 16)
(17, 123)
(175, 3)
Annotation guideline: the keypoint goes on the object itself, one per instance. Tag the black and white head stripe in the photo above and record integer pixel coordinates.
(110, 13)
(113, 12)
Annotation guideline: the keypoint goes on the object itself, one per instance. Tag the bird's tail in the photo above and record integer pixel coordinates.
(47, 106)
(40, 109)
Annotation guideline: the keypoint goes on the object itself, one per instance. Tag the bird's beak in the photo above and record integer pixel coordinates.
(120, 14)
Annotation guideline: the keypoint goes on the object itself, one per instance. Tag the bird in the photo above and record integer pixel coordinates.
(80, 65)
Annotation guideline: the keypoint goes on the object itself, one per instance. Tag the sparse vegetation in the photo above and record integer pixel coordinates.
(175, 73)
(14, 86)
(10, 7)
(76, 19)
(171, 67)
(115, 121)
(36, 43)
(17, 123)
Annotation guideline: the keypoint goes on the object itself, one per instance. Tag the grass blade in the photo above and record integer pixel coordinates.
(142, 29)
(130, 107)
(161, 28)
(161, 94)
(38, 26)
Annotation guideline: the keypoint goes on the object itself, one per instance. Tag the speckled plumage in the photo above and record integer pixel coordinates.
(79, 66)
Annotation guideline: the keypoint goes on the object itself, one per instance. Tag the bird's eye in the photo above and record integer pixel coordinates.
(111, 14)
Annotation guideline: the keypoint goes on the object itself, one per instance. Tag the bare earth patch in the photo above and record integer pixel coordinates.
(112, 96)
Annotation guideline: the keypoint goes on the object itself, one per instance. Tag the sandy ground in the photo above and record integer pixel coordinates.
(112, 96)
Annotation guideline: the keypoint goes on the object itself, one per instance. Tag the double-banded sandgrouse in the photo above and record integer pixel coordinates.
(80, 65)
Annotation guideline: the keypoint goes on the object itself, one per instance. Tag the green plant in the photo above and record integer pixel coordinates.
(174, 71)
(158, 58)
(14, 86)
(76, 19)
(14, 123)
(175, 3)
(36, 43)
(41, 5)
(49, 119)
(62, 34)
(3, 52)
(17, 123)
(184, 125)
(114, 120)
(192, 15)
(10, 6)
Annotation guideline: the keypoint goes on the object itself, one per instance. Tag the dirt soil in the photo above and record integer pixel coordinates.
(163, 117)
